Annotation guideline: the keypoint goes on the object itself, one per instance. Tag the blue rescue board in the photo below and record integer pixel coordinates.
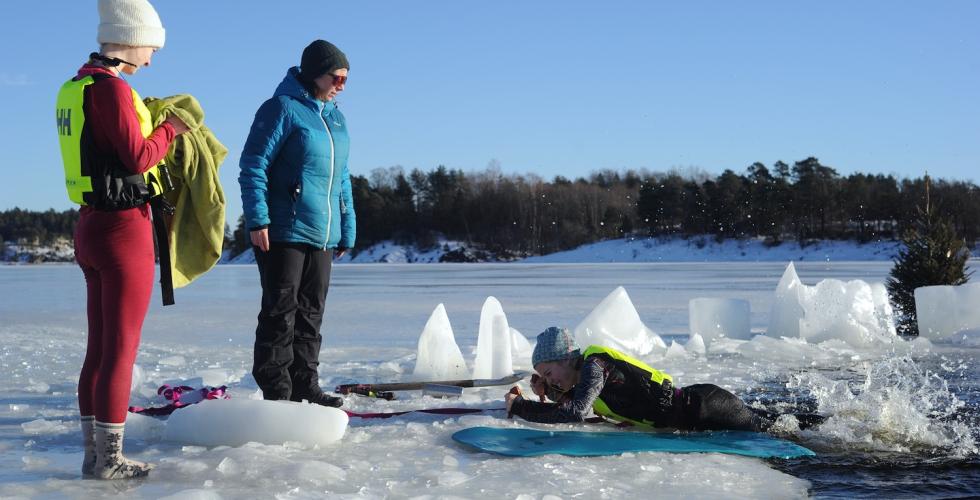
(531, 443)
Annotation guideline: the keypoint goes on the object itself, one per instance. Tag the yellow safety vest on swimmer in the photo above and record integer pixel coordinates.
(96, 178)
(624, 404)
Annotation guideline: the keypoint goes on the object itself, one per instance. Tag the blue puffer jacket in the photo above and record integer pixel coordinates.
(294, 175)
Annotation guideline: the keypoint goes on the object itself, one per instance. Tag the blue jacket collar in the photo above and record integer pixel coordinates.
(291, 86)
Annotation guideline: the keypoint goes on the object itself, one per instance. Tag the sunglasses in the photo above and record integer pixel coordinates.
(339, 80)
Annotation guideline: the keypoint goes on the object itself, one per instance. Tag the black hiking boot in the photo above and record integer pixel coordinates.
(320, 398)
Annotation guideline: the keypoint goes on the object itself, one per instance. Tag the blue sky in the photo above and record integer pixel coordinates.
(547, 87)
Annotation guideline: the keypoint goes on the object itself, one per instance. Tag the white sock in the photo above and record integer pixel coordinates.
(110, 462)
(88, 440)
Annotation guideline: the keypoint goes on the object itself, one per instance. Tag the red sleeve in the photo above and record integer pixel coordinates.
(110, 111)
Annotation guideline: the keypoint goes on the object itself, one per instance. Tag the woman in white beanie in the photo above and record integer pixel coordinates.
(111, 154)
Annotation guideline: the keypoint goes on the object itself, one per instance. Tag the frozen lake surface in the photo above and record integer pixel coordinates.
(905, 416)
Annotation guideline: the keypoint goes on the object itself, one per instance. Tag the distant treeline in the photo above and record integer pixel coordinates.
(36, 228)
(527, 215)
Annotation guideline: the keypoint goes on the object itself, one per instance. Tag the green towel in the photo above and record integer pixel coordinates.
(197, 230)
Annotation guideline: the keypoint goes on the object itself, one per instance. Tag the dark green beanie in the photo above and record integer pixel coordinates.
(321, 57)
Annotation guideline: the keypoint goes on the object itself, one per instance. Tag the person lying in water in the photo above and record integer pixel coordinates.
(616, 386)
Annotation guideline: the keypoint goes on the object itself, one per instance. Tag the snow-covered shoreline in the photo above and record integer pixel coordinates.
(698, 249)
(624, 250)
(704, 248)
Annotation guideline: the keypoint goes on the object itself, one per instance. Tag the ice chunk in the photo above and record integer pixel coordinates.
(439, 358)
(41, 427)
(696, 345)
(945, 311)
(503, 356)
(920, 346)
(521, 348)
(452, 478)
(714, 318)
(676, 350)
(216, 377)
(144, 428)
(175, 360)
(228, 467)
(234, 422)
(855, 312)
(137, 379)
(493, 344)
(36, 386)
(615, 323)
(786, 311)
(846, 311)
(194, 494)
(321, 473)
(519, 343)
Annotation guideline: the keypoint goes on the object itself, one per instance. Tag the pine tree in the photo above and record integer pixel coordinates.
(933, 255)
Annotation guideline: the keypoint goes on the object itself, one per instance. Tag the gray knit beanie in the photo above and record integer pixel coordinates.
(134, 23)
(554, 344)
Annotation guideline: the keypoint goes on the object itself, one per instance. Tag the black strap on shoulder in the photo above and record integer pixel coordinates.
(160, 208)
(109, 62)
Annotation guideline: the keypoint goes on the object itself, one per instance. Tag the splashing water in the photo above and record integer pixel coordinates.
(899, 407)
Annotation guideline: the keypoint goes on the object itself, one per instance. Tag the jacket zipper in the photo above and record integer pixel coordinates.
(330, 183)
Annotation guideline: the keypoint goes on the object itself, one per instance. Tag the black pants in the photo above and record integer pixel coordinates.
(705, 407)
(294, 280)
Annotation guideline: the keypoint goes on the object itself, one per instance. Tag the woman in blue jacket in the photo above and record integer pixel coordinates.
(296, 194)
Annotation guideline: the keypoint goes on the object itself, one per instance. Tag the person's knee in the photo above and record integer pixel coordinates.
(279, 301)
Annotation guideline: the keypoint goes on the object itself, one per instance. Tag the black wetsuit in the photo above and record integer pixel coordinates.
(635, 396)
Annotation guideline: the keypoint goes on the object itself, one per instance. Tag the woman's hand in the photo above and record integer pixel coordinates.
(260, 238)
(179, 126)
(539, 387)
(512, 395)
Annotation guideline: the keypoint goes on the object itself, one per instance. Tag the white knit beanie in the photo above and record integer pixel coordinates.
(130, 22)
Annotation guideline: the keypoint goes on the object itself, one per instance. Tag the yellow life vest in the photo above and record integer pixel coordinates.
(638, 369)
(93, 177)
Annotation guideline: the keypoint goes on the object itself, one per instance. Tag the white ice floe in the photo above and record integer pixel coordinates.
(439, 357)
(714, 318)
(615, 323)
(855, 312)
(949, 313)
(234, 422)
